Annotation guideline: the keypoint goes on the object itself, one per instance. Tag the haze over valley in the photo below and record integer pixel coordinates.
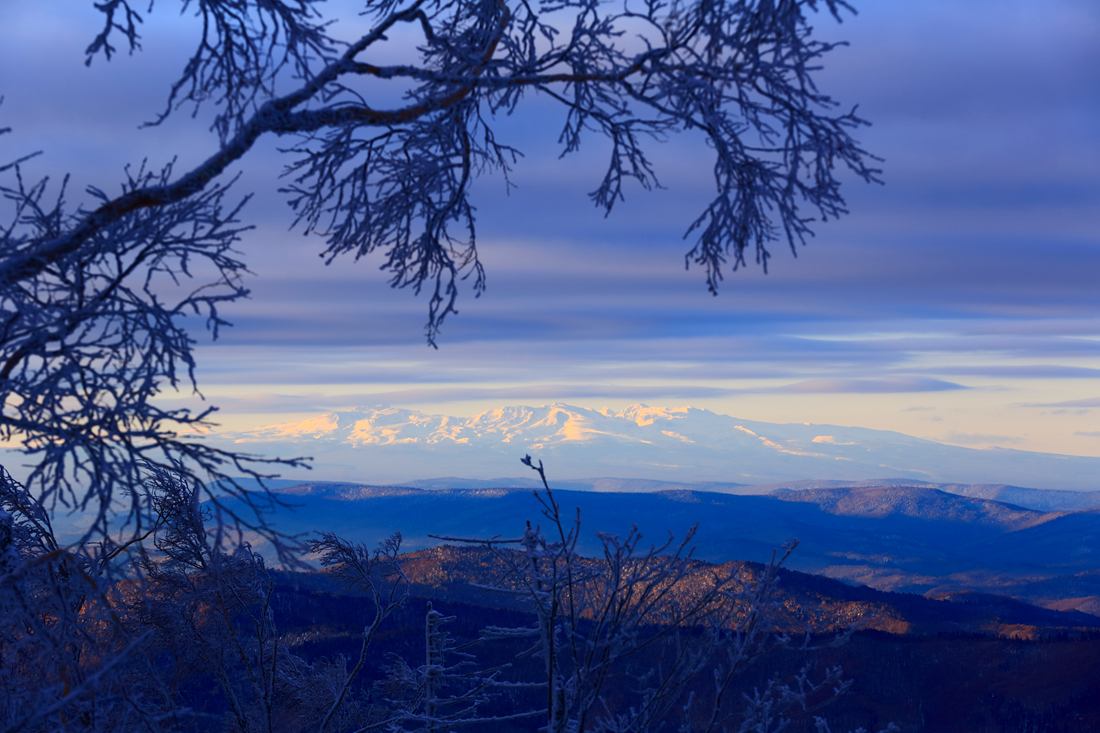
(869, 507)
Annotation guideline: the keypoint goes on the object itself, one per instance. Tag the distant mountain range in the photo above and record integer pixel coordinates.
(895, 538)
(643, 444)
(1044, 500)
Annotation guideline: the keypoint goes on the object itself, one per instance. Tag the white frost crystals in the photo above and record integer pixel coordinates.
(92, 296)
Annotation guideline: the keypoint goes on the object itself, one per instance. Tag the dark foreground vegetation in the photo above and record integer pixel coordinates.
(200, 634)
(983, 663)
(959, 682)
(504, 634)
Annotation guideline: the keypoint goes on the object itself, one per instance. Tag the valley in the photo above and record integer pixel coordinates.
(890, 538)
(953, 666)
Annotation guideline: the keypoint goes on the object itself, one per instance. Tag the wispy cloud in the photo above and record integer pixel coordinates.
(976, 438)
(1030, 371)
(1088, 402)
(934, 279)
(273, 403)
(871, 386)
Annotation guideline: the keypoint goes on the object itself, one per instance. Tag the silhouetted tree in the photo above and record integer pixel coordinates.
(639, 640)
(92, 297)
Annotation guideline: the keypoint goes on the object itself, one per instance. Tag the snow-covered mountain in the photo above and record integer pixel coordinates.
(387, 445)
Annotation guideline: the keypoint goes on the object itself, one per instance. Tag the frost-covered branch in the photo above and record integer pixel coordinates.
(643, 639)
(93, 298)
(377, 574)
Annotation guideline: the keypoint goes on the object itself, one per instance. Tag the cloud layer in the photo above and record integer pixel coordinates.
(966, 285)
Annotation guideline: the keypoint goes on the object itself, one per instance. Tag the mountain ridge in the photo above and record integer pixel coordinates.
(804, 601)
(683, 445)
(907, 539)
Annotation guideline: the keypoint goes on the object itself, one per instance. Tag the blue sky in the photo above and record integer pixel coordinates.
(958, 302)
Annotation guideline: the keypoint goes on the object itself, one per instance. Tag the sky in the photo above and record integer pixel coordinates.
(959, 301)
